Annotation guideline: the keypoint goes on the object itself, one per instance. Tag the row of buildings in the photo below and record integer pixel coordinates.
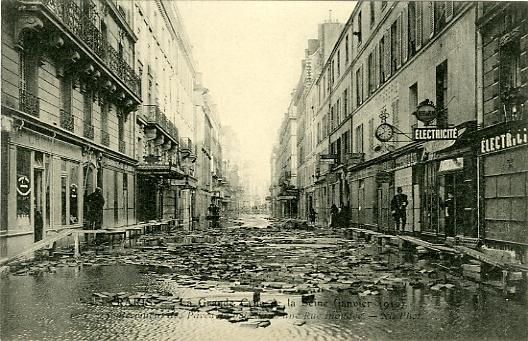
(427, 96)
(105, 93)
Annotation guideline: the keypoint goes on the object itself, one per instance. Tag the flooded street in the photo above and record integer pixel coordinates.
(313, 285)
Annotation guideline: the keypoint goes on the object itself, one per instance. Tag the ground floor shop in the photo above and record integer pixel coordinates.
(45, 181)
(503, 166)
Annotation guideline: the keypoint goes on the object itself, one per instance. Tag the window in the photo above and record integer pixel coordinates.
(359, 86)
(23, 193)
(345, 103)
(441, 95)
(346, 142)
(359, 139)
(382, 60)
(371, 71)
(338, 112)
(394, 47)
(338, 64)
(318, 132)
(87, 106)
(510, 80)
(358, 32)
(29, 102)
(346, 50)
(372, 14)
(413, 104)
(411, 34)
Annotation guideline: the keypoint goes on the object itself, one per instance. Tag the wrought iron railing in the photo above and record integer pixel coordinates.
(154, 115)
(122, 147)
(66, 120)
(88, 130)
(105, 138)
(83, 26)
(29, 103)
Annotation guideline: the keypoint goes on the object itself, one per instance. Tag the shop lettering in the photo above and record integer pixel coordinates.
(504, 141)
(429, 134)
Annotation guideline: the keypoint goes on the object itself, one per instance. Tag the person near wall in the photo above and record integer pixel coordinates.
(95, 203)
(398, 209)
(312, 215)
(334, 216)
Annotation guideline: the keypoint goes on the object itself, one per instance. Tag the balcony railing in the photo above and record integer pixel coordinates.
(88, 130)
(105, 138)
(122, 147)
(66, 120)
(29, 103)
(153, 115)
(83, 26)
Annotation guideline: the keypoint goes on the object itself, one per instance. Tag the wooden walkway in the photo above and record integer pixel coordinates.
(37, 246)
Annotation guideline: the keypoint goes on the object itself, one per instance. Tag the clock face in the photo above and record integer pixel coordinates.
(384, 132)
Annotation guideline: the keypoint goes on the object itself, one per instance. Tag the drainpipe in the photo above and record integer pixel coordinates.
(480, 121)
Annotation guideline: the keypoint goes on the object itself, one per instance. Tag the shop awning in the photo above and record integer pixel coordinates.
(166, 171)
(287, 197)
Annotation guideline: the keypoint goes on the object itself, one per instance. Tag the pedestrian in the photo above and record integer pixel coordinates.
(346, 215)
(398, 209)
(334, 215)
(312, 215)
(95, 203)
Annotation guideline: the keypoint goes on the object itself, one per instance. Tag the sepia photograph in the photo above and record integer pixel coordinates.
(263, 170)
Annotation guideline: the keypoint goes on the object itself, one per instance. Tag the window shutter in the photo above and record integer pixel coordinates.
(419, 25)
(398, 42)
(375, 67)
(449, 10)
(388, 54)
(405, 35)
(431, 19)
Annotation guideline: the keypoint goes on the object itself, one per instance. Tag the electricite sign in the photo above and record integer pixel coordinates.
(504, 141)
(432, 134)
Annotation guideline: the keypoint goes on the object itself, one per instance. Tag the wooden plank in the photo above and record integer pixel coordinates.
(39, 245)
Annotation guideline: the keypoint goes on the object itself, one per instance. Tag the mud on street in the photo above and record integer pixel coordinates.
(253, 279)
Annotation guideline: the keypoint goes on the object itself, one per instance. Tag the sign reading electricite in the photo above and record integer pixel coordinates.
(507, 140)
(431, 134)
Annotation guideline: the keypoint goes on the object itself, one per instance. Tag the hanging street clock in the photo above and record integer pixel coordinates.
(384, 132)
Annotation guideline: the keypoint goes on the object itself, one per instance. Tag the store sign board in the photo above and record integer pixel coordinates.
(434, 134)
(509, 139)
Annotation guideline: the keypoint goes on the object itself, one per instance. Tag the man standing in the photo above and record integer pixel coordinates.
(398, 206)
(95, 203)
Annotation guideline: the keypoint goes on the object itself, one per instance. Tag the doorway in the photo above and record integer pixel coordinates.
(453, 193)
(38, 224)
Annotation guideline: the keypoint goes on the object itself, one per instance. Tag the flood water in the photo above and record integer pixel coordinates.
(55, 306)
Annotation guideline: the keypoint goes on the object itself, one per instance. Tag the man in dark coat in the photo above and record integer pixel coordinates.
(398, 206)
(95, 203)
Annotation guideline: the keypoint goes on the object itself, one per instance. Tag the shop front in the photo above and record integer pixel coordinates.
(503, 157)
(448, 193)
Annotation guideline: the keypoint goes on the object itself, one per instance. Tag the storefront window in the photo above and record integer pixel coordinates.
(23, 186)
(64, 192)
(74, 186)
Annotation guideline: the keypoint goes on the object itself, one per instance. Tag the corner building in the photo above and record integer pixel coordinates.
(69, 97)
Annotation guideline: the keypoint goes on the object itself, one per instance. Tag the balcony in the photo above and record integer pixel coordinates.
(105, 138)
(66, 13)
(88, 130)
(66, 120)
(154, 116)
(29, 103)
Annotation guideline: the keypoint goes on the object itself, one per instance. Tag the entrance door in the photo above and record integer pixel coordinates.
(385, 222)
(453, 192)
(38, 207)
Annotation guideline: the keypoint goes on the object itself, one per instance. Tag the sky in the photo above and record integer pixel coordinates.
(250, 55)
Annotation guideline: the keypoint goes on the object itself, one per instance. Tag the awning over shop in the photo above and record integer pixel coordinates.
(287, 197)
(166, 171)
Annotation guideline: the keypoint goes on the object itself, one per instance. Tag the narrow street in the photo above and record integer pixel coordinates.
(252, 279)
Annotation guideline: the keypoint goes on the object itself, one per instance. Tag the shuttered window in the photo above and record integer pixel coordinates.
(404, 34)
(387, 54)
(419, 24)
